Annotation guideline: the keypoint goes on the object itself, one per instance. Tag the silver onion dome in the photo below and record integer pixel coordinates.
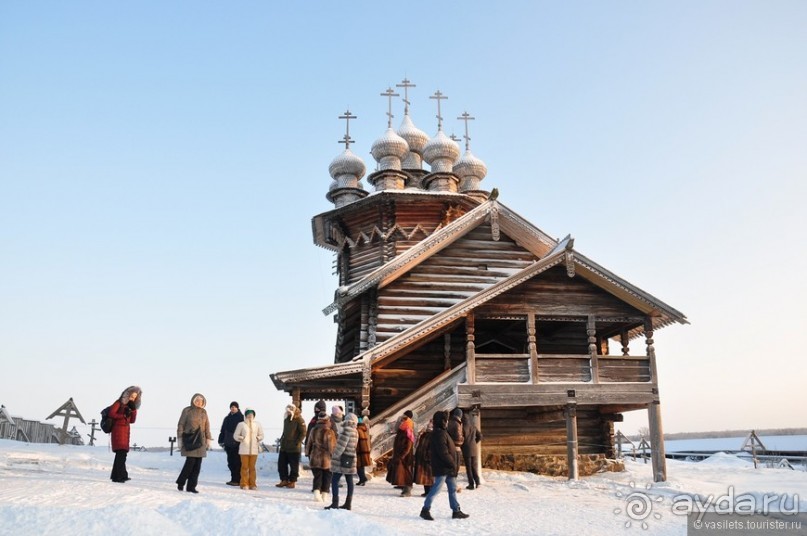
(471, 170)
(416, 139)
(389, 150)
(347, 169)
(441, 152)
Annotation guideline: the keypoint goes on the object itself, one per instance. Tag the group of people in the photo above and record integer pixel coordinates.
(434, 458)
(336, 445)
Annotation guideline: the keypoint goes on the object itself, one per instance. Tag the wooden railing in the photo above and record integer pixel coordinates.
(567, 368)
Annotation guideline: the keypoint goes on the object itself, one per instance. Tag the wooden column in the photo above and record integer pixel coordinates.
(295, 398)
(476, 417)
(571, 440)
(591, 331)
(532, 345)
(657, 453)
(470, 350)
(623, 338)
(366, 384)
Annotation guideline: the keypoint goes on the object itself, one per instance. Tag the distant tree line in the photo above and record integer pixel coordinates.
(727, 433)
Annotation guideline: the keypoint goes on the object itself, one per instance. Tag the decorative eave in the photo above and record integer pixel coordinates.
(322, 223)
(283, 380)
(500, 218)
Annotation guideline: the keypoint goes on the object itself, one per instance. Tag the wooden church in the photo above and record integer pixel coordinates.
(448, 298)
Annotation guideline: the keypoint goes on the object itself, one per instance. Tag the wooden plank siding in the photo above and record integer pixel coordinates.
(461, 270)
(512, 431)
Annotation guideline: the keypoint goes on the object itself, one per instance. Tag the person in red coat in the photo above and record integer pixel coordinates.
(123, 413)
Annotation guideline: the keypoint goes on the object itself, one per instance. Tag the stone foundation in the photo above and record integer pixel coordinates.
(588, 464)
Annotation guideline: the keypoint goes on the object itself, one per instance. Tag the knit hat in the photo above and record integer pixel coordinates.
(457, 412)
(337, 411)
(234, 404)
(409, 413)
(248, 411)
(319, 406)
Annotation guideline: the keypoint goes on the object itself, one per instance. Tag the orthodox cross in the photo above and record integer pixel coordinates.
(406, 84)
(454, 137)
(67, 410)
(438, 97)
(389, 93)
(347, 140)
(466, 117)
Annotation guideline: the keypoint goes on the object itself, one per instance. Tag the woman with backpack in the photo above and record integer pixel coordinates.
(122, 413)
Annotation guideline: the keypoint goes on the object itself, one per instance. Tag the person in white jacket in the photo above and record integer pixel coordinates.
(249, 435)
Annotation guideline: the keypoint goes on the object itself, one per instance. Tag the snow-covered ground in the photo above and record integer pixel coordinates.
(50, 489)
(794, 443)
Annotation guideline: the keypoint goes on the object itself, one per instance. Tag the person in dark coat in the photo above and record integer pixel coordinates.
(123, 412)
(470, 450)
(288, 459)
(423, 457)
(400, 469)
(230, 445)
(444, 466)
(193, 419)
(363, 449)
(454, 429)
(319, 407)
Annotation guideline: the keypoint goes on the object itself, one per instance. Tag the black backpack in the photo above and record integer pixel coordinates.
(106, 421)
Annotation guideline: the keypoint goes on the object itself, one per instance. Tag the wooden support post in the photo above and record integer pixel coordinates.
(571, 440)
(296, 398)
(532, 345)
(591, 331)
(623, 338)
(470, 349)
(657, 453)
(366, 385)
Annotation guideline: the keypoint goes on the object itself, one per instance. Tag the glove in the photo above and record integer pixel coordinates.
(127, 411)
(131, 405)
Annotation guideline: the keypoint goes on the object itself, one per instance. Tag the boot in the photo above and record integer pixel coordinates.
(334, 504)
(290, 485)
(459, 514)
(317, 495)
(282, 484)
(407, 491)
(347, 504)
(425, 514)
(325, 496)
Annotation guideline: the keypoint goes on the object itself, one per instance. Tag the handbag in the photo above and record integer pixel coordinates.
(347, 461)
(193, 440)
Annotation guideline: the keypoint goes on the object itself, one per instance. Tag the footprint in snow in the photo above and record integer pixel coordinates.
(520, 486)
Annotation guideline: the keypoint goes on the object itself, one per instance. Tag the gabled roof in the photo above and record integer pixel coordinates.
(501, 217)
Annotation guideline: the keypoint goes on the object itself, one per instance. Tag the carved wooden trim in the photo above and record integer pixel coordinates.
(591, 331)
(532, 345)
(470, 349)
(494, 223)
(569, 264)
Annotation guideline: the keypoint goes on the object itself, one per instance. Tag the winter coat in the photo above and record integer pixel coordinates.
(423, 465)
(471, 438)
(191, 419)
(454, 429)
(228, 429)
(442, 449)
(123, 413)
(363, 458)
(293, 433)
(320, 445)
(346, 445)
(249, 436)
(337, 421)
(400, 470)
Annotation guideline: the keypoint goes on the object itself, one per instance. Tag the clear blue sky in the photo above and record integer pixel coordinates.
(160, 163)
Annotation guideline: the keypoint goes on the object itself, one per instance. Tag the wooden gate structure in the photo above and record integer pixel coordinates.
(448, 298)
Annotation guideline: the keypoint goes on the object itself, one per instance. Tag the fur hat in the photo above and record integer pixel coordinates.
(235, 405)
(456, 412)
(409, 413)
(320, 406)
(351, 418)
(248, 411)
(291, 408)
